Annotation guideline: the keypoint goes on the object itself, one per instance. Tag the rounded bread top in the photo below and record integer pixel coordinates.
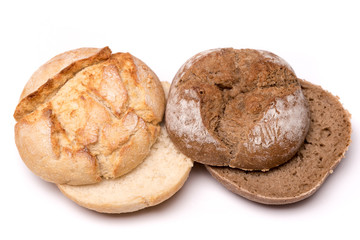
(88, 114)
(238, 108)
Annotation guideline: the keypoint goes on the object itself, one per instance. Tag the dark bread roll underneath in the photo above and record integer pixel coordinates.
(325, 145)
(239, 108)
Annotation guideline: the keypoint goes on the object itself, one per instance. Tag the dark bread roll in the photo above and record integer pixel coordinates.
(238, 108)
(325, 145)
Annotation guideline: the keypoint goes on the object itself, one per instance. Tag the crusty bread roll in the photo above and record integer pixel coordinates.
(160, 176)
(88, 115)
(325, 145)
(239, 108)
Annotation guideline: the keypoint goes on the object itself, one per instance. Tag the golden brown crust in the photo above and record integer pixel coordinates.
(29, 102)
(94, 114)
(151, 88)
(34, 142)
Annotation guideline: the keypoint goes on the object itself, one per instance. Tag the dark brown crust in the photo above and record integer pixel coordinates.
(29, 103)
(305, 164)
(218, 102)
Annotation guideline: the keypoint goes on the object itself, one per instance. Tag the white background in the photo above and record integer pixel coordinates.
(319, 39)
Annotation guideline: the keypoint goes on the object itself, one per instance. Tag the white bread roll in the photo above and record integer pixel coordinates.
(88, 115)
(160, 176)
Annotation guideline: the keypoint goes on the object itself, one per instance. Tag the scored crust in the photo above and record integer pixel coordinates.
(96, 116)
(238, 108)
(325, 145)
(52, 75)
(161, 175)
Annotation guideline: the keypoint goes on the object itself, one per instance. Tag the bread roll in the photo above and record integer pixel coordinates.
(88, 115)
(239, 108)
(324, 147)
(161, 175)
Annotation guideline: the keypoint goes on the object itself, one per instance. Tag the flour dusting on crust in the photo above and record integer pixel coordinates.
(275, 59)
(281, 123)
(185, 116)
(192, 61)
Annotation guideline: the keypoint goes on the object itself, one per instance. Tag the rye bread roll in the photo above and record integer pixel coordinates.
(325, 145)
(239, 108)
(88, 115)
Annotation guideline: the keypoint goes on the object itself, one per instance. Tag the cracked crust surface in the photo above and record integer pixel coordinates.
(238, 108)
(88, 114)
(325, 145)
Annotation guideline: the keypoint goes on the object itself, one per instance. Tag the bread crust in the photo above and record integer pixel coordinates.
(96, 116)
(304, 174)
(54, 74)
(238, 108)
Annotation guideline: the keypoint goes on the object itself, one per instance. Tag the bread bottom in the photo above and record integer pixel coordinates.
(159, 177)
(325, 145)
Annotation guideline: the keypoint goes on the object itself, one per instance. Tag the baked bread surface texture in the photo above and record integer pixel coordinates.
(87, 115)
(161, 175)
(325, 145)
(239, 108)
